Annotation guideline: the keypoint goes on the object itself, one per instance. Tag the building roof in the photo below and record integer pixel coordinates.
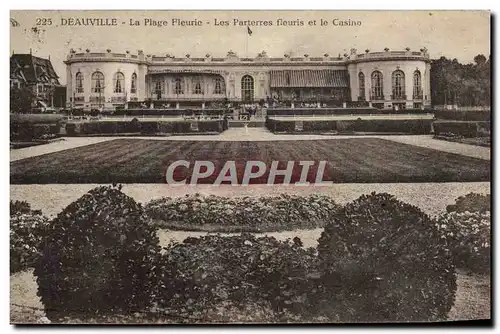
(32, 69)
(309, 78)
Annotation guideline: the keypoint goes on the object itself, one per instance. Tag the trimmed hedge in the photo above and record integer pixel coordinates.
(141, 127)
(339, 111)
(411, 126)
(30, 131)
(215, 213)
(168, 112)
(466, 115)
(98, 257)
(385, 260)
(463, 128)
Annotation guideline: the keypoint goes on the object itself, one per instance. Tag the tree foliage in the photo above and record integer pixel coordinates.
(461, 84)
(21, 100)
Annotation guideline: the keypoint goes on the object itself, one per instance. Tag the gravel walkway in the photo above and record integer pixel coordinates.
(67, 143)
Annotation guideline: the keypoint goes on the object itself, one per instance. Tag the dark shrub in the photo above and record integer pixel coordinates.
(311, 126)
(468, 115)
(385, 260)
(27, 231)
(210, 126)
(91, 128)
(22, 207)
(469, 235)
(467, 129)
(72, 129)
(40, 129)
(98, 257)
(107, 127)
(135, 125)
(471, 202)
(281, 126)
(149, 127)
(165, 127)
(203, 273)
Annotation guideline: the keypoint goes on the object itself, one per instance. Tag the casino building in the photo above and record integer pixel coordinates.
(389, 79)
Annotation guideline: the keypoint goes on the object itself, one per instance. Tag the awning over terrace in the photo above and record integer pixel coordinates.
(184, 71)
(310, 78)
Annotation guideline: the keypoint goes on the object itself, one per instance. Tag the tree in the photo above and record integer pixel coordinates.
(462, 84)
(480, 60)
(21, 100)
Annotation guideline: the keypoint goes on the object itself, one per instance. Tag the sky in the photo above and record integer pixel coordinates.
(454, 34)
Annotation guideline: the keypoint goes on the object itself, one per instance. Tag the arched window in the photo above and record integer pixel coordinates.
(377, 86)
(118, 81)
(361, 84)
(79, 82)
(133, 84)
(247, 88)
(158, 89)
(197, 87)
(219, 86)
(97, 82)
(178, 86)
(417, 85)
(398, 85)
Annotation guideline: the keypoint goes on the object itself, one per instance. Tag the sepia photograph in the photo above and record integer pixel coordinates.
(250, 167)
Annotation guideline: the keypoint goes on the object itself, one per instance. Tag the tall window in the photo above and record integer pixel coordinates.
(247, 88)
(377, 86)
(361, 83)
(118, 80)
(398, 84)
(219, 84)
(133, 84)
(417, 85)
(97, 82)
(79, 82)
(197, 87)
(178, 86)
(158, 89)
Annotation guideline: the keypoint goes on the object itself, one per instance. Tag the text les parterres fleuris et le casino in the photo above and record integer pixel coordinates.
(178, 22)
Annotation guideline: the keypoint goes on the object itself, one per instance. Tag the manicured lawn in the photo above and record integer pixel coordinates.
(356, 160)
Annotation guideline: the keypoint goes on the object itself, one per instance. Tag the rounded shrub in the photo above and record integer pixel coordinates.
(471, 202)
(27, 231)
(469, 235)
(98, 257)
(385, 260)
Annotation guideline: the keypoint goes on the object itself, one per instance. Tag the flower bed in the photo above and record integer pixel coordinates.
(251, 214)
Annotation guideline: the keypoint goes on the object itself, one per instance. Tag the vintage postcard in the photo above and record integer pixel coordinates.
(243, 167)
